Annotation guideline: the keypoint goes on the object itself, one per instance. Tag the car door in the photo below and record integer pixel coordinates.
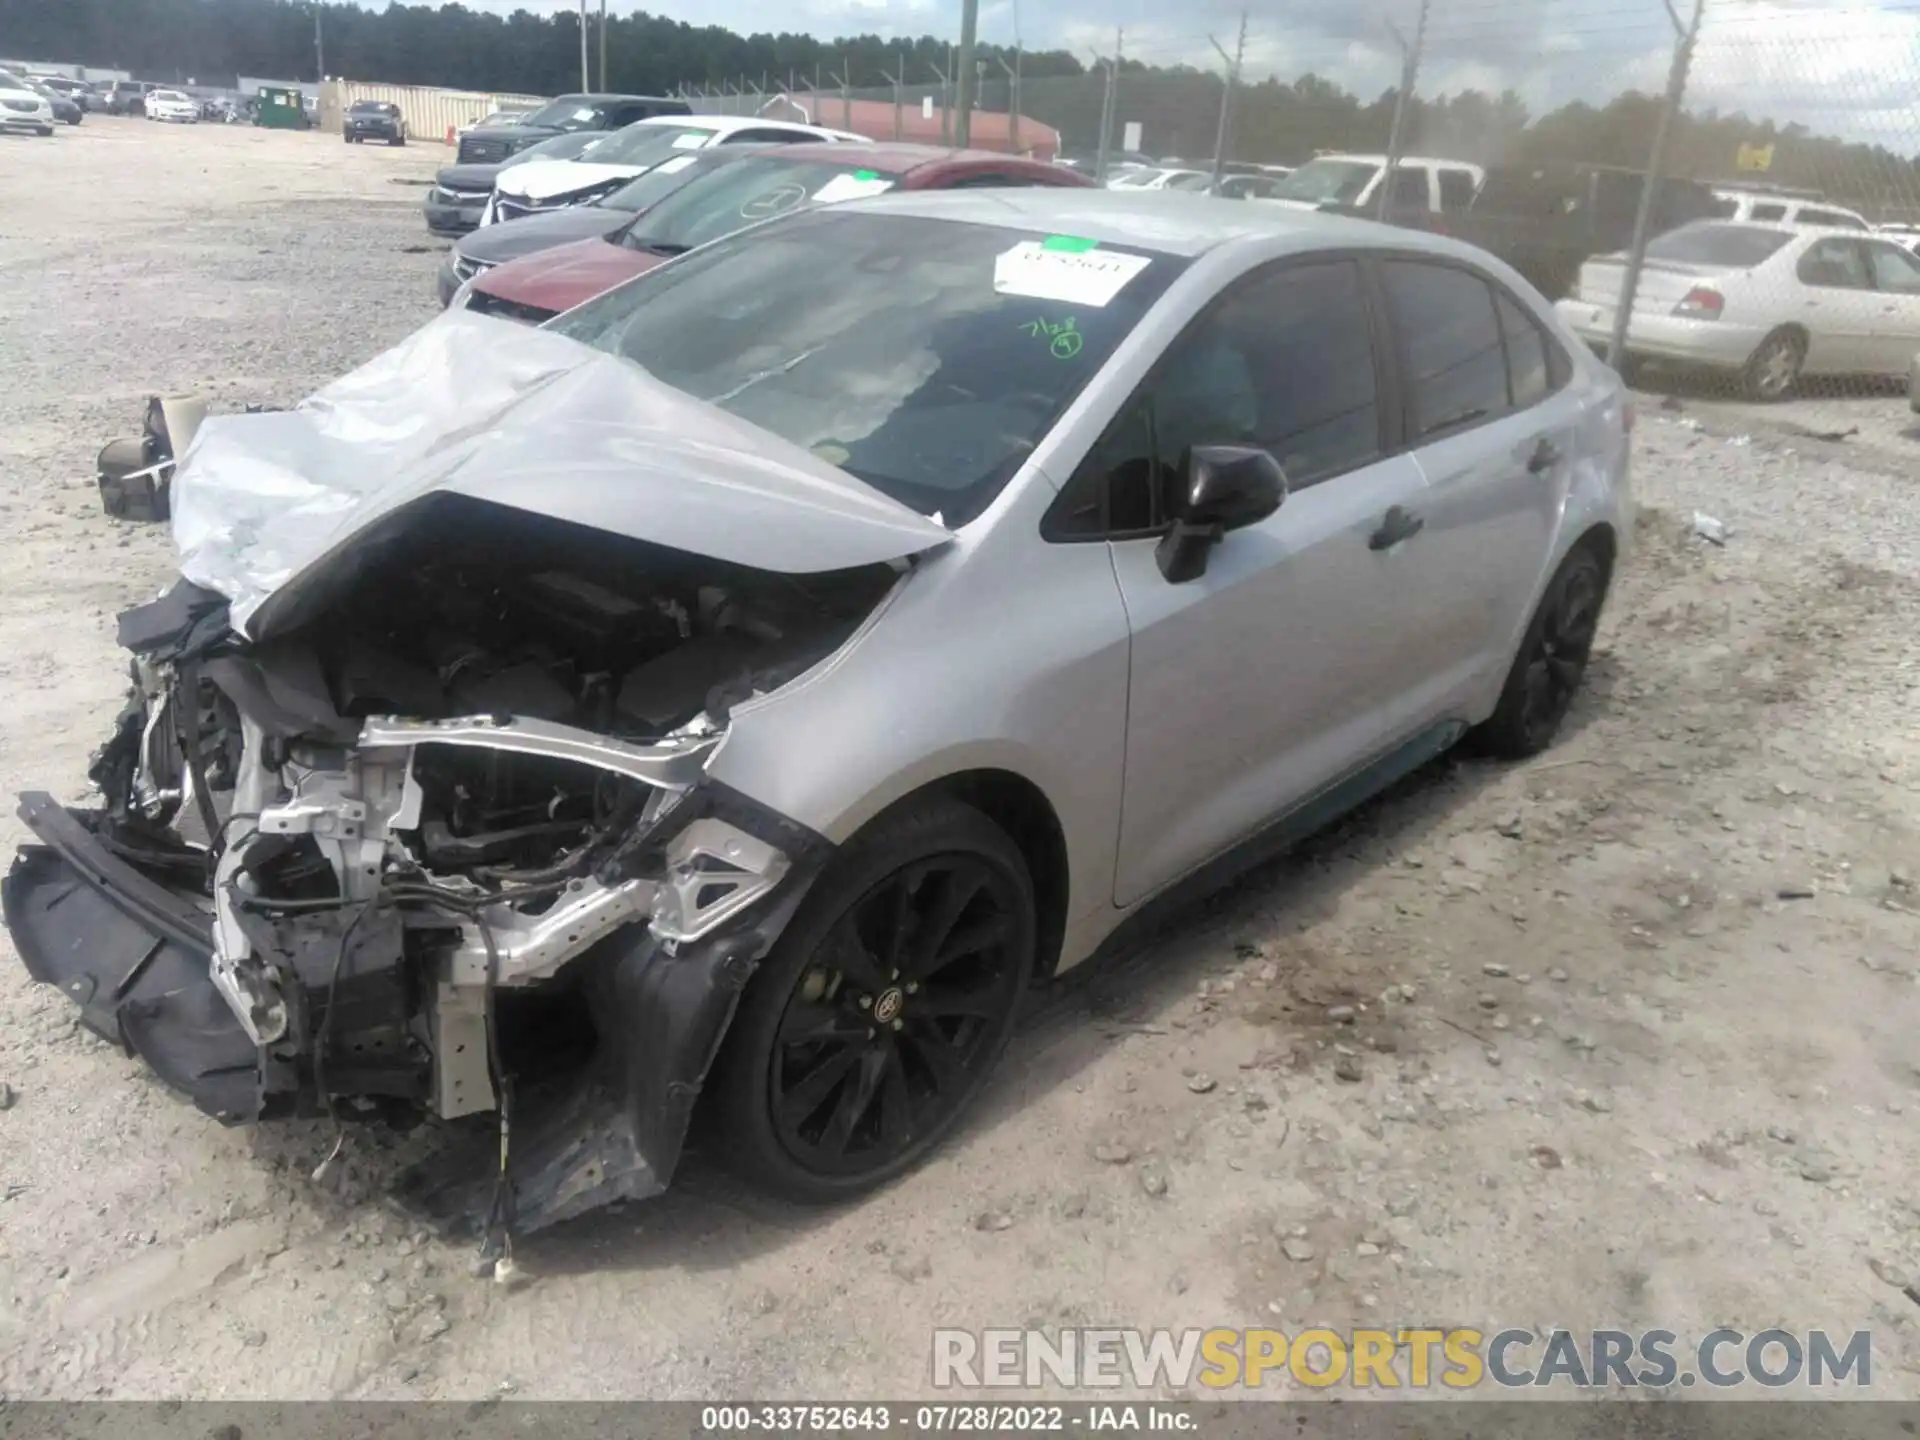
(1491, 422)
(1837, 305)
(1896, 318)
(1286, 664)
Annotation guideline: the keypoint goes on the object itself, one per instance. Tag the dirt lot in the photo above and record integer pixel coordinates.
(1592, 1068)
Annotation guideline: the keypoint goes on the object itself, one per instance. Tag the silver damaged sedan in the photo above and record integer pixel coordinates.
(713, 712)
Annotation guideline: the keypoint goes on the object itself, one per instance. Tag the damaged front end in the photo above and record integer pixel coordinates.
(445, 843)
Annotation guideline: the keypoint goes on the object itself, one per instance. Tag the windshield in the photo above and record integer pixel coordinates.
(167, 95)
(748, 191)
(924, 357)
(566, 111)
(1327, 182)
(557, 147)
(373, 107)
(643, 192)
(1740, 245)
(648, 144)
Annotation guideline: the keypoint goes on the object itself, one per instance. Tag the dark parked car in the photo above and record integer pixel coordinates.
(68, 89)
(492, 143)
(460, 192)
(373, 120)
(598, 219)
(66, 111)
(756, 187)
(1547, 220)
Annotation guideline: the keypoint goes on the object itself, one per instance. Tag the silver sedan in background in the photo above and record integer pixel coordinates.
(746, 687)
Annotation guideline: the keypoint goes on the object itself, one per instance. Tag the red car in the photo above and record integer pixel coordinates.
(539, 286)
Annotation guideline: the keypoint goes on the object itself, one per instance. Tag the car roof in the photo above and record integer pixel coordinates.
(898, 157)
(1403, 160)
(730, 124)
(1180, 224)
(595, 97)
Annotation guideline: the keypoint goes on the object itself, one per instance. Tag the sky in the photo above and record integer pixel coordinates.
(1848, 67)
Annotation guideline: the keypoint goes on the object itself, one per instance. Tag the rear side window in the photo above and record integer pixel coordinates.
(1409, 190)
(1837, 219)
(1530, 376)
(1456, 368)
(1767, 210)
(1456, 190)
(1740, 246)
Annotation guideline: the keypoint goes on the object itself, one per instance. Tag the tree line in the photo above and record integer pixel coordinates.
(1276, 121)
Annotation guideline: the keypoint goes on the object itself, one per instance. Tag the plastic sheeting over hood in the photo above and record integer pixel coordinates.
(529, 420)
(547, 179)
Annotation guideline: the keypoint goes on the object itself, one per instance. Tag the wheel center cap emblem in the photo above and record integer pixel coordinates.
(888, 1007)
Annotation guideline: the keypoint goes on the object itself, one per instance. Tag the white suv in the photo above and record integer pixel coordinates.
(1347, 182)
(22, 108)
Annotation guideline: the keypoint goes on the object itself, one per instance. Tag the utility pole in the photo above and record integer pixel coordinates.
(846, 99)
(1686, 36)
(969, 27)
(603, 47)
(1409, 72)
(319, 50)
(585, 82)
(1226, 97)
(1106, 108)
(1013, 102)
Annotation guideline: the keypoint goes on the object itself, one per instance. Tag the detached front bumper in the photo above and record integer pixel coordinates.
(134, 955)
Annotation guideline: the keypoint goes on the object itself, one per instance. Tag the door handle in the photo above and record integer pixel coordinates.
(1545, 456)
(1396, 525)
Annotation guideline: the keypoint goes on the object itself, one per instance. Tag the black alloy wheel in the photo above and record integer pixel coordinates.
(1552, 661)
(883, 1008)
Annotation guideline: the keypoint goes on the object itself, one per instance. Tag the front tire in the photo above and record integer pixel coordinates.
(877, 1017)
(1774, 369)
(1551, 663)
(43, 130)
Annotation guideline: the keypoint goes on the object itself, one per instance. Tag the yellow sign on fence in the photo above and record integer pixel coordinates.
(1754, 157)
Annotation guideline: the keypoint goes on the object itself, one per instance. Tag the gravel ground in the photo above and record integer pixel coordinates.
(1526, 1045)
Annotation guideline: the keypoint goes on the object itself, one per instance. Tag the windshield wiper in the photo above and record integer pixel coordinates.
(666, 247)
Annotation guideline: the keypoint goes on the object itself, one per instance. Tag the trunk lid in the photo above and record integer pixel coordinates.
(527, 420)
(1663, 283)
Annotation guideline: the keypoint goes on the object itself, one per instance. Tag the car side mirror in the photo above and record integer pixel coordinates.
(1222, 488)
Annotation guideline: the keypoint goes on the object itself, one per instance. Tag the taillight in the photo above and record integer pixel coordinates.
(1700, 303)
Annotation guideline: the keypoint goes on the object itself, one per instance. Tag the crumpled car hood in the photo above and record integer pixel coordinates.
(525, 419)
(545, 179)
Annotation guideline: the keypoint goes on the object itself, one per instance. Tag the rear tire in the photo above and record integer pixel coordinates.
(1551, 662)
(874, 1022)
(44, 129)
(1774, 369)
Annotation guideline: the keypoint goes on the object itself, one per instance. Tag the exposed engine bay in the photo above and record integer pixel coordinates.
(444, 837)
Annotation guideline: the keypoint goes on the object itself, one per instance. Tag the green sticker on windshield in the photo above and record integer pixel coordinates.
(1069, 244)
(866, 174)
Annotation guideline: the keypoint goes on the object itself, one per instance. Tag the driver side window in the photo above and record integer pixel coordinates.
(1284, 360)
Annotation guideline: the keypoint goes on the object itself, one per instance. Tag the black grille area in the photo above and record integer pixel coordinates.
(482, 149)
(502, 309)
